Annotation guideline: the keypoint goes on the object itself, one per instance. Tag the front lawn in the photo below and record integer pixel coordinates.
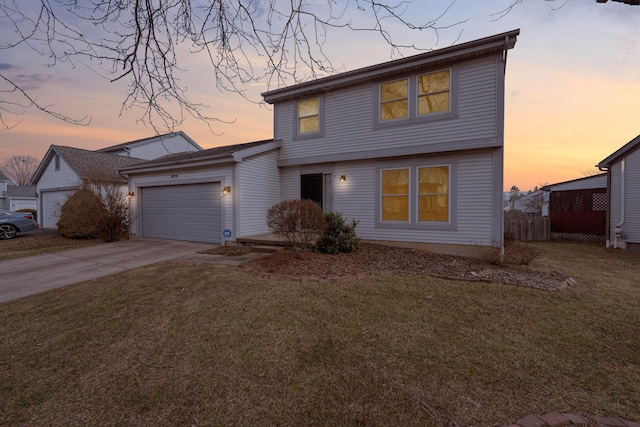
(181, 343)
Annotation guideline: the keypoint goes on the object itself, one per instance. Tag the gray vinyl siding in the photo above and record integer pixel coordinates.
(355, 198)
(350, 114)
(290, 184)
(259, 189)
(631, 225)
(222, 174)
(632, 197)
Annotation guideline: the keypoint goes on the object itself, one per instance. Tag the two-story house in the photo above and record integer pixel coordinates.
(62, 168)
(411, 148)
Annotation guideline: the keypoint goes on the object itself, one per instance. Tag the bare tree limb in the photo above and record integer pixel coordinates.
(276, 42)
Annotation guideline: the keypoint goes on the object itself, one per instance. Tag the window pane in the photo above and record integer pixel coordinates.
(395, 181)
(433, 193)
(308, 108)
(433, 103)
(308, 124)
(394, 90)
(394, 110)
(434, 82)
(395, 208)
(433, 180)
(433, 208)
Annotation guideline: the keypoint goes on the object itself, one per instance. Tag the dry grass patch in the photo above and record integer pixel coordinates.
(22, 246)
(182, 343)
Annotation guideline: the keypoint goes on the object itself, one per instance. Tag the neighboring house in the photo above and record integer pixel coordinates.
(411, 148)
(532, 203)
(578, 208)
(623, 196)
(61, 170)
(154, 147)
(19, 197)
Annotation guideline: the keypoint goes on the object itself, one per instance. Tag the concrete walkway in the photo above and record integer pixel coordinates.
(30, 275)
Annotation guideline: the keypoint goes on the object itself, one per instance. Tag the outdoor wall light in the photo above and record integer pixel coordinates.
(343, 177)
(131, 194)
(226, 189)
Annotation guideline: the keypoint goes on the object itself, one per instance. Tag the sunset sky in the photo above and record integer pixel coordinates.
(572, 88)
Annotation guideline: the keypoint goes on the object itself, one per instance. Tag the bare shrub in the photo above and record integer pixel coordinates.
(98, 209)
(300, 222)
(519, 253)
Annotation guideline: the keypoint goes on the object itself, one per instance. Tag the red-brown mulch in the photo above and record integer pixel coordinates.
(371, 258)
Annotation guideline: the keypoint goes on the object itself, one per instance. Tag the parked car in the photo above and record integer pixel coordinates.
(12, 223)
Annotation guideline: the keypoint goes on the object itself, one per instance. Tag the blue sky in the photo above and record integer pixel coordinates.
(572, 89)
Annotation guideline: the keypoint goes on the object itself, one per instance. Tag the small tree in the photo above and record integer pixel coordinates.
(98, 209)
(300, 222)
(339, 236)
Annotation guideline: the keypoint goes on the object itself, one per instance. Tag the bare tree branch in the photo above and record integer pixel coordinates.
(19, 169)
(276, 42)
(9, 88)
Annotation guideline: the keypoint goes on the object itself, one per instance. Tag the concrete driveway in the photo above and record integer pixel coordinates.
(31, 275)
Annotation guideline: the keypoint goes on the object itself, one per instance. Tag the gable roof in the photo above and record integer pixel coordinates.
(83, 162)
(227, 153)
(625, 150)
(3, 177)
(19, 191)
(387, 70)
(124, 145)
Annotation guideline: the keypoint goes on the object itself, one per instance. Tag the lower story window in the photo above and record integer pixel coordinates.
(413, 194)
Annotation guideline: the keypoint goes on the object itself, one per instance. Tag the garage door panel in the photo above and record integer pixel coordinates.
(183, 212)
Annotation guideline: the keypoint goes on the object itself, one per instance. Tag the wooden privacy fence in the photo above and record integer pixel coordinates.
(527, 227)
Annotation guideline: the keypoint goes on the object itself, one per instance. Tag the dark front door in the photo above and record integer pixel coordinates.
(312, 188)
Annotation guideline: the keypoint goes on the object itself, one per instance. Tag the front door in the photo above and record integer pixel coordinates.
(317, 187)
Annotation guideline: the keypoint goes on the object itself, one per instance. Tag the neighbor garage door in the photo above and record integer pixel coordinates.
(52, 201)
(183, 212)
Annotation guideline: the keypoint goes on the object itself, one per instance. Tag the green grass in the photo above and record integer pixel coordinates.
(190, 344)
(23, 246)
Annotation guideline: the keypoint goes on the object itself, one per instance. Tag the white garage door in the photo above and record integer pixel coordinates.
(52, 201)
(190, 212)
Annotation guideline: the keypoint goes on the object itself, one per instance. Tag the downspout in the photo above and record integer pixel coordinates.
(618, 229)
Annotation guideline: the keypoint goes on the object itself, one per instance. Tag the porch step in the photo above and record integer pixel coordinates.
(266, 249)
(261, 241)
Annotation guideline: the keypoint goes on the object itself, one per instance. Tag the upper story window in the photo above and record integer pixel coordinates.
(394, 100)
(417, 98)
(56, 160)
(433, 92)
(309, 116)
